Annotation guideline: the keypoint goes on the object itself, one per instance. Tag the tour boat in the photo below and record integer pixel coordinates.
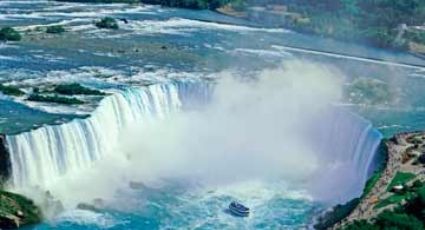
(238, 209)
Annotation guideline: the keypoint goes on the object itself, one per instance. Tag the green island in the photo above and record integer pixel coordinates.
(9, 34)
(107, 23)
(11, 90)
(55, 99)
(52, 94)
(370, 91)
(56, 29)
(63, 89)
(76, 89)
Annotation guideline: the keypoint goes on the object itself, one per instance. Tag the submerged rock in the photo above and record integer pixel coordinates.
(51, 206)
(86, 206)
(107, 23)
(96, 206)
(9, 221)
(136, 185)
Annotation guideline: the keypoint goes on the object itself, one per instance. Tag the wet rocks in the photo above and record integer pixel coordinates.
(4, 160)
(17, 210)
(97, 205)
(135, 185)
(107, 23)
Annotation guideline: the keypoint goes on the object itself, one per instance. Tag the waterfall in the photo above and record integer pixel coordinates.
(347, 144)
(41, 156)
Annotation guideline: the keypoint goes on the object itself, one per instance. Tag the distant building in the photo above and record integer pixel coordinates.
(397, 188)
(272, 15)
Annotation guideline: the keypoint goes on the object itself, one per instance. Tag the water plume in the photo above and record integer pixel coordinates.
(281, 125)
(251, 129)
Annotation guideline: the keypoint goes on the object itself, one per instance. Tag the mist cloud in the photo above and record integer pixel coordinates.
(251, 130)
(257, 129)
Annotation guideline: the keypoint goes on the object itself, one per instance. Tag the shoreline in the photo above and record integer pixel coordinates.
(333, 215)
(230, 12)
(397, 148)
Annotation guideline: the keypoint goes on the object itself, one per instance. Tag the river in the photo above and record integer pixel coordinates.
(165, 61)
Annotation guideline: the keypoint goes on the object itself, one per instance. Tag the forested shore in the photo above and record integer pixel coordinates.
(383, 23)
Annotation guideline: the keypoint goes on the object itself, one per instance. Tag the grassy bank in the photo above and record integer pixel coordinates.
(400, 199)
(408, 216)
(11, 90)
(17, 211)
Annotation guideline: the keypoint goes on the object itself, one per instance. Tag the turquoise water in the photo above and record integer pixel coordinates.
(159, 45)
(173, 207)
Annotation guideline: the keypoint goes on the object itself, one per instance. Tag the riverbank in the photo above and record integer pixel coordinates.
(336, 214)
(351, 21)
(17, 211)
(402, 180)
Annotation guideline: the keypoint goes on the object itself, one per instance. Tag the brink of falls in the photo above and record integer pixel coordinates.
(41, 157)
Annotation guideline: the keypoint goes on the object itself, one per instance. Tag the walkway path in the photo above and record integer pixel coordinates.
(397, 148)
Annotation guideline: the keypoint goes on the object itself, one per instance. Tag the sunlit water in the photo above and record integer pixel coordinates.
(162, 45)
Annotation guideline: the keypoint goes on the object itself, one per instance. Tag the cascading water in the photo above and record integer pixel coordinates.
(41, 156)
(347, 143)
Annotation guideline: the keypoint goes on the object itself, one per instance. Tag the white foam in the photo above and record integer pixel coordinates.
(7, 45)
(13, 2)
(9, 58)
(87, 217)
(262, 52)
(183, 26)
(392, 127)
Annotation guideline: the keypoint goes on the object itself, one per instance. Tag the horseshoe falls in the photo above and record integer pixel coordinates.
(345, 142)
(348, 145)
(175, 140)
(42, 156)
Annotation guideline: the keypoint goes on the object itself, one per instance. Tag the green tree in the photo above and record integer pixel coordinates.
(361, 225)
(395, 220)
